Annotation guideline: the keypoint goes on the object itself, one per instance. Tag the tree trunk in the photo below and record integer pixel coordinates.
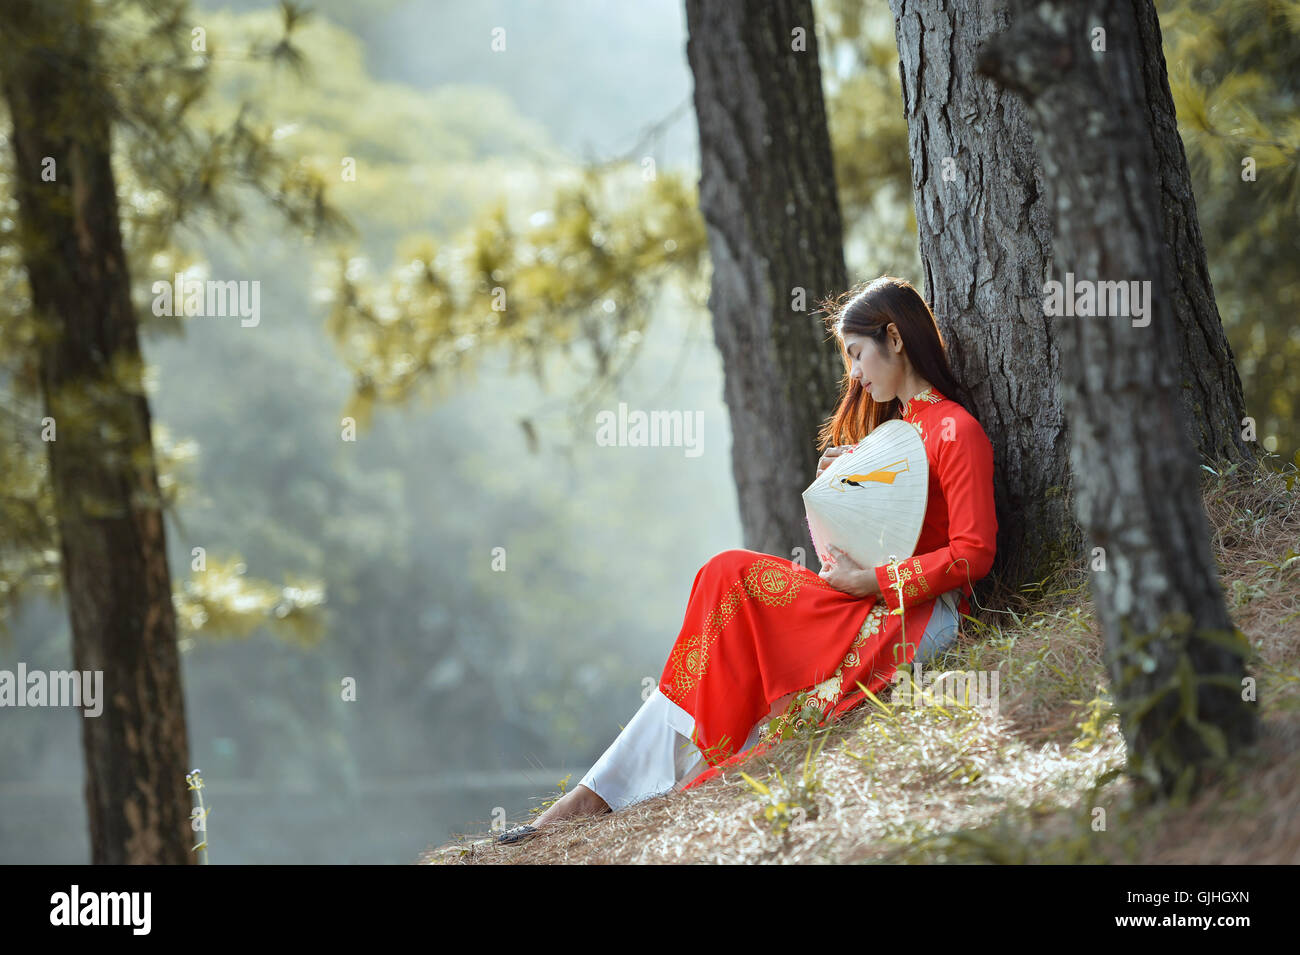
(1210, 388)
(768, 197)
(101, 462)
(1175, 658)
(986, 245)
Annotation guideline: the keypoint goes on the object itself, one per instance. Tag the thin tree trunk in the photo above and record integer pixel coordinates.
(1175, 658)
(1210, 388)
(102, 468)
(767, 193)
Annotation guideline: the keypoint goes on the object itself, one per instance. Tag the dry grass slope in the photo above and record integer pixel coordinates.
(892, 782)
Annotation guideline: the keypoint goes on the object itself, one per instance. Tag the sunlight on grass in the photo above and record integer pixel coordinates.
(918, 778)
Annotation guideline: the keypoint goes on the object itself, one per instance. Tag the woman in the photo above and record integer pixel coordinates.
(763, 637)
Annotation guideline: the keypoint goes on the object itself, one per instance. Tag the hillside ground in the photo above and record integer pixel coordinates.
(947, 782)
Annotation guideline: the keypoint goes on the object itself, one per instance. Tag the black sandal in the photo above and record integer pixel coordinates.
(517, 835)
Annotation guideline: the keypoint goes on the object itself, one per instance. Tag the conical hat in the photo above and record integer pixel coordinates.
(871, 502)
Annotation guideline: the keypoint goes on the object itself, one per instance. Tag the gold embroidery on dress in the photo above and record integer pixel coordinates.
(768, 580)
(771, 583)
(916, 565)
(827, 693)
(928, 396)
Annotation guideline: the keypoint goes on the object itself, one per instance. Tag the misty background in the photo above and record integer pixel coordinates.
(478, 690)
(475, 689)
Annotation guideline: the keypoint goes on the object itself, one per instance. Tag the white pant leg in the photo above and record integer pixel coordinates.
(654, 751)
(648, 757)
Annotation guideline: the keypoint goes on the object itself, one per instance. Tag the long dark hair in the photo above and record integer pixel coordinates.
(867, 309)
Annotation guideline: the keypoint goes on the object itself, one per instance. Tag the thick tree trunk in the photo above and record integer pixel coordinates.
(101, 462)
(1175, 658)
(767, 193)
(986, 246)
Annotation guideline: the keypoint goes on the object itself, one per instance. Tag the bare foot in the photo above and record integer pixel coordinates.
(580, 802)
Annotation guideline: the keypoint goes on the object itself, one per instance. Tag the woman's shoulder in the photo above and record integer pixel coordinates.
(950, 409)
(959, 424)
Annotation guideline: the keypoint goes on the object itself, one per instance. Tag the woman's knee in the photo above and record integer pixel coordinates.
(732, 558)
(935, 645)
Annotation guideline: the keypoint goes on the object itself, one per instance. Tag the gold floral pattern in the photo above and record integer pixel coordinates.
(768, 580)
(771, 583)
(913, 405)
(911, 577)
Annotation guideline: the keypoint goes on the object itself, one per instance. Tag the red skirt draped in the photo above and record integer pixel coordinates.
(758, 628)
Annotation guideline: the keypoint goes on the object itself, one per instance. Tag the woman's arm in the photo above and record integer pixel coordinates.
(965, 465)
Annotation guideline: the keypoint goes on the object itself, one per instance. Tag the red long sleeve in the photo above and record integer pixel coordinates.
(965, 466)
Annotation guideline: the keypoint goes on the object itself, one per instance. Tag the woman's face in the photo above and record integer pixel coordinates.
(879, 366)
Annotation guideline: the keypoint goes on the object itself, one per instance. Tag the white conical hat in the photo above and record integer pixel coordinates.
(871, 502)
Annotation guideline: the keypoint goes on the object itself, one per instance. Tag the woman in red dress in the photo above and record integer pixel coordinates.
(763, 636)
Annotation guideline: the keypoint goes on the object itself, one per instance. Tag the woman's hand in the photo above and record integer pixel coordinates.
(845, 574)
(831, 454)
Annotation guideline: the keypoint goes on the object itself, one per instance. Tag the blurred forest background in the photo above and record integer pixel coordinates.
(565, 168)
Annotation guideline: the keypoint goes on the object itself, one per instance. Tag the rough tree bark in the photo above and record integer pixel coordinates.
(986, 246)
(1209, 386)
(768, 197)
(101, 462)
(1174, 655)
